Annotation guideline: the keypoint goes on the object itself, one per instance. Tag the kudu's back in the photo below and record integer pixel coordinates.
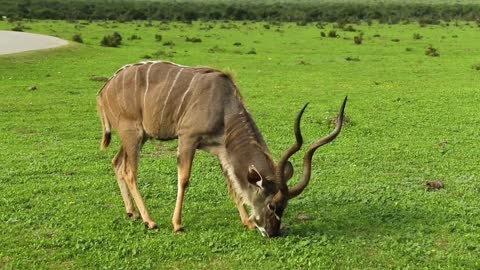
(165, 99)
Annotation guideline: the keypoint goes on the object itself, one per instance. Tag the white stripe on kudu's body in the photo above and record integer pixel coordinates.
(109, 106)
(167, 78)
(124, 93)
(147, 81)
(135, 86)
(186, 92)
(204, 110)
(168, 94)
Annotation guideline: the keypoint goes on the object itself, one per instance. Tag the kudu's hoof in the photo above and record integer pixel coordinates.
(178, 229)
(151, 225)
(134, 215)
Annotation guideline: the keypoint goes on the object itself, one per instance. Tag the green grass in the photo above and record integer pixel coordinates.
(413, 118)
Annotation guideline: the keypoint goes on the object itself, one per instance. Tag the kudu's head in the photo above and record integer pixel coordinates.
(273, 194)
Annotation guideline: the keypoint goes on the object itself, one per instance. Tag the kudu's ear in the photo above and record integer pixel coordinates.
(254, 177)
(288, 171)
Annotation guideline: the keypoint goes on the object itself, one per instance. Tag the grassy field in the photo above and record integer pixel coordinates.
(412, 118)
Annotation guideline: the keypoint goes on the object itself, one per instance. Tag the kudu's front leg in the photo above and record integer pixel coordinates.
(186, 152)
(247, 222)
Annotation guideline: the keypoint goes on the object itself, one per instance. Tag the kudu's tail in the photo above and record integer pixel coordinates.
(107, 131)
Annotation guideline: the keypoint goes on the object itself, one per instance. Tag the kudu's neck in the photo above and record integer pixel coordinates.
(244, 143)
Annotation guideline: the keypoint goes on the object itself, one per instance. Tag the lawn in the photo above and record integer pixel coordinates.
(412, 118)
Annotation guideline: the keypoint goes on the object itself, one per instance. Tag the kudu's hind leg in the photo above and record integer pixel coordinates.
(132, 142)
(186, 152)
(118, 163)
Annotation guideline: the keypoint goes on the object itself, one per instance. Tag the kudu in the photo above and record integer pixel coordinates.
(202, 107)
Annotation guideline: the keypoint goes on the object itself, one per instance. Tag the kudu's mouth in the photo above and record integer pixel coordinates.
(264, 232)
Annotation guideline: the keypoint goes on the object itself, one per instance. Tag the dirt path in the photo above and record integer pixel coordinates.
(14, 42)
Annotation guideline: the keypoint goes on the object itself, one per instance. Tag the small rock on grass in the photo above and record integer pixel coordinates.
(303, 217)
(434, 185)
(32, 88)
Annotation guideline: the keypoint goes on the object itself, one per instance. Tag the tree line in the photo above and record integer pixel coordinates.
(392, 12)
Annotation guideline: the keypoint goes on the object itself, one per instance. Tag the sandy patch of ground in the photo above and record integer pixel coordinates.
(14, 42)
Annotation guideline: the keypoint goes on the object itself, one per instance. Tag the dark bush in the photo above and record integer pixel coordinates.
(134, 37)
(77, 38)
(18, 28)
(322, 34)
(358, 39)
(169, 43)
(431, 51)
(332, 34)
(158, 37)
(417, 36)
(237, 44)
(113, 40)
(252, 51)
(349, 28)
(395, 40)
(319, 25)
(476, 67)
(193, 40)
(354, 59)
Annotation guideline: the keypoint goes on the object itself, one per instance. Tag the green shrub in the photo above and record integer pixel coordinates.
(349, 28)
(332, 34)
(134, 37)
(193, 40)
(417, 36)
(77, 38)
(113, 40)
(431, 51)
(158, 37)
(358, 39)
(169, 43)
(18, 28)
(354, 59)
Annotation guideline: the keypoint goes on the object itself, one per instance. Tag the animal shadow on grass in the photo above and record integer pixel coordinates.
(356, 219)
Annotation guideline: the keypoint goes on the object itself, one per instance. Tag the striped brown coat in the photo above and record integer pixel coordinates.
(203, 109)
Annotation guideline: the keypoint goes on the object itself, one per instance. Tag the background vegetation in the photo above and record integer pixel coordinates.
(301, 11)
